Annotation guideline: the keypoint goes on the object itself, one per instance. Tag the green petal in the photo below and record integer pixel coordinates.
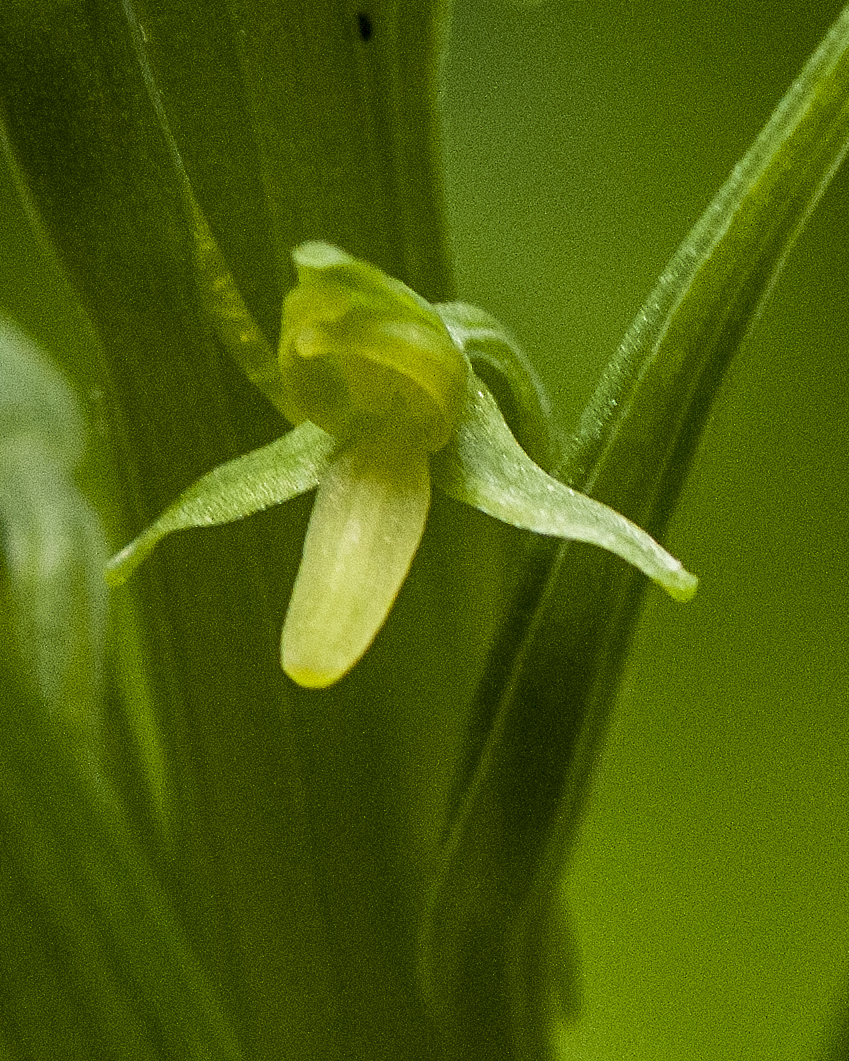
(485, 467)
(268, 476)
(499, 361)
(366, 525)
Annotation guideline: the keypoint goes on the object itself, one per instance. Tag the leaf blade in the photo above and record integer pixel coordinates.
(54, 542)
(553, 676)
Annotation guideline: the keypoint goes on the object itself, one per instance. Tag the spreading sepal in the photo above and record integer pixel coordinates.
(284, 469)
(486, 468)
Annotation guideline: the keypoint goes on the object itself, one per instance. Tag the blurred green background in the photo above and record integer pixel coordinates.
(711, 892)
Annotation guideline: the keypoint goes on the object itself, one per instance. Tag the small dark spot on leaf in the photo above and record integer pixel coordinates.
(365, 26)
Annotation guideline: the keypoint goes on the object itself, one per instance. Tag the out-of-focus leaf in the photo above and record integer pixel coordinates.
(544, 704)
(54, 546)
(81, 916)
(93, 963)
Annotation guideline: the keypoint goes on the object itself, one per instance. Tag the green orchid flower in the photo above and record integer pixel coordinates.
(380, 387)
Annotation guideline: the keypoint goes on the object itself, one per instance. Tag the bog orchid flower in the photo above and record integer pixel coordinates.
(380, 387)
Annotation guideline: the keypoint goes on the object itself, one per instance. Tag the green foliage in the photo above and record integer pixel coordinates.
(373, 870)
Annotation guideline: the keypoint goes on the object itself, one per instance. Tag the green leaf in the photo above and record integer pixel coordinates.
(80, 911)
(93, 962)
(544, 703)
(836, 1044)
(290, 129)
(326, 135)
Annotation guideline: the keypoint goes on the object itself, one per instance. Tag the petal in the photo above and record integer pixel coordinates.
(268, 476)
(501, 364)
(366, 525)
(487, 468)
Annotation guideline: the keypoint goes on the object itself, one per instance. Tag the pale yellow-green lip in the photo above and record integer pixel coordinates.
(366, 525)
